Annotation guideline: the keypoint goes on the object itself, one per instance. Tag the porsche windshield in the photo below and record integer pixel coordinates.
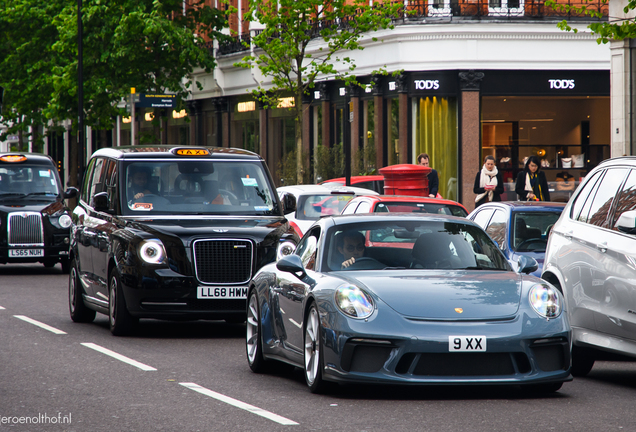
(197, 187)
(411, 244)
(28, 181)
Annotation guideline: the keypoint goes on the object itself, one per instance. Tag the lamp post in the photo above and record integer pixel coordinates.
(81, 140)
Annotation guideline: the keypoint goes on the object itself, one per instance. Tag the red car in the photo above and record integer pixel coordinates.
(373, 182)
(409, 204)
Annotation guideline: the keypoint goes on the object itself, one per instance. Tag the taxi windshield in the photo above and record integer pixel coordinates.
(28, 181)
(196, 187)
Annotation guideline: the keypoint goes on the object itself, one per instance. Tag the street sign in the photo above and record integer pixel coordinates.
(157, 100)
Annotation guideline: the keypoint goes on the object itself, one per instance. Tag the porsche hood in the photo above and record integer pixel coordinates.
(448, 295)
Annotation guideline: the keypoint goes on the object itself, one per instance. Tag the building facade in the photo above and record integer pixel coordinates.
(497, 79)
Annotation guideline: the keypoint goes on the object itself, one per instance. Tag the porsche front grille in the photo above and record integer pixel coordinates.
(226, 261)
(25, 229)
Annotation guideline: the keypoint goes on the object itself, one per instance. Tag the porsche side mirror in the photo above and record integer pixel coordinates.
(289, 203)
(627, 222)
(293, 264)
(527, 264)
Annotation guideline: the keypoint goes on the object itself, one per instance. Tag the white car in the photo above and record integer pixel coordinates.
(315, 201)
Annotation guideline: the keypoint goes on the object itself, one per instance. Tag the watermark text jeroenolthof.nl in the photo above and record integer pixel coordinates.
(36, 419)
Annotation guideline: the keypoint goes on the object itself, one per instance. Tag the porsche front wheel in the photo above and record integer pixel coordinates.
(253, 343)
(313, 351)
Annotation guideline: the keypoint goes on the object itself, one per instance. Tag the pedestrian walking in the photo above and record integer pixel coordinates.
(488, 183)
(531, 182)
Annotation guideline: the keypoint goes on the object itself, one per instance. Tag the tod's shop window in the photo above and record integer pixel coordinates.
(434, 123)
(561, 117)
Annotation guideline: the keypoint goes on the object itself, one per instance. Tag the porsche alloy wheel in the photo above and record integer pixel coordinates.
(313, 354)
(253, 344)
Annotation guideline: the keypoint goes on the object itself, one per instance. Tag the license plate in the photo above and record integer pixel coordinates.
(204, 292)
(466, 343)
(21, 253)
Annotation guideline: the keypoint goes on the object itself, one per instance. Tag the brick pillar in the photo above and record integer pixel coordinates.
(355, 138)
(470, 138)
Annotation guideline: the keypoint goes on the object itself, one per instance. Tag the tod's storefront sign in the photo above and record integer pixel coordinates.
(546, 83)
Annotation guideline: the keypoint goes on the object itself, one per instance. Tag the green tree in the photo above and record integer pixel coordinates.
(281, 48)
(151, 45)
(598, 9)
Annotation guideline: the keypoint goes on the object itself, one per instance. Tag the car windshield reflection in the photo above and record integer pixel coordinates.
(28, 181)
(386, 245)
(198, 188)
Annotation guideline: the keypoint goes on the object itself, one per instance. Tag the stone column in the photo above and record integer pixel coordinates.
(306, 136)
(194, 110)
(470, 136)
(355, 140)
(378, 117)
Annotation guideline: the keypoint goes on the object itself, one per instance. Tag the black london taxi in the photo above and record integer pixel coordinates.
(34, 219)
(173, 233)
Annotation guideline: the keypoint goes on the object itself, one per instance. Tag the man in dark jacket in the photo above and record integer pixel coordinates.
(433, 179)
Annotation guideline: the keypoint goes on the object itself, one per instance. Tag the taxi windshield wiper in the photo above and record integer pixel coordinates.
(41, 193)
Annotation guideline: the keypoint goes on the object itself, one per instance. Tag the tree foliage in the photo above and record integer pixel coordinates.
(152, 45)
(606, 31)
(282, 48)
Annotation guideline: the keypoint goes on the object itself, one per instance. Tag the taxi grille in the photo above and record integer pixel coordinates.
(25, 229)
(223, 261)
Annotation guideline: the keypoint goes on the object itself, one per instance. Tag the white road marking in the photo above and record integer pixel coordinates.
(295, 323)
(1, 308)
(40, 324)
(237, 403)
(119, 357)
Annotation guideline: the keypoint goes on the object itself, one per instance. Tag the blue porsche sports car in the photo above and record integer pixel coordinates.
(403, 299)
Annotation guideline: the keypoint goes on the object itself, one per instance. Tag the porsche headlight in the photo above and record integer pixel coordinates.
(64, 221)
(545, 301)
(152, 251)
(284, 249)
(354, 302)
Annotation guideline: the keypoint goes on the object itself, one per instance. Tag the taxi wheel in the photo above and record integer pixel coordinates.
(66, 266)
(313, 352)
(121, 322)
(79, 312)
(253, 342)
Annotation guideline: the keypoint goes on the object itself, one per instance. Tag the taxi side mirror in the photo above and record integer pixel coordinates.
(70, 192)
(100, 202)
(289, 203)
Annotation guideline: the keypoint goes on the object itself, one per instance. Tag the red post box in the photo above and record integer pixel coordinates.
(405, 179)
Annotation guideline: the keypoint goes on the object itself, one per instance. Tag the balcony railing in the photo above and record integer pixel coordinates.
(434, 11)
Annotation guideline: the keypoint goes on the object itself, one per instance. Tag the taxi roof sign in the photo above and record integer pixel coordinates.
(192, 152)
(13, 158)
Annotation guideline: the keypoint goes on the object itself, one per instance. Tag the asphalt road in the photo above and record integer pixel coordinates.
(193, 376)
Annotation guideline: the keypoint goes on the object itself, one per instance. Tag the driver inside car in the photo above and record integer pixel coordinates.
(139, 184)
(352, 247)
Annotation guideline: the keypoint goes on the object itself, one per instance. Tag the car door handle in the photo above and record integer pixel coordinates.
(602, 247)
(568, 235)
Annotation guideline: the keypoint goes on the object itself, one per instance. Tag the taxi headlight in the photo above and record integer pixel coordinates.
(545, 301)
(64, 221)
(285, 249)
(152, 251)
(354, 302)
